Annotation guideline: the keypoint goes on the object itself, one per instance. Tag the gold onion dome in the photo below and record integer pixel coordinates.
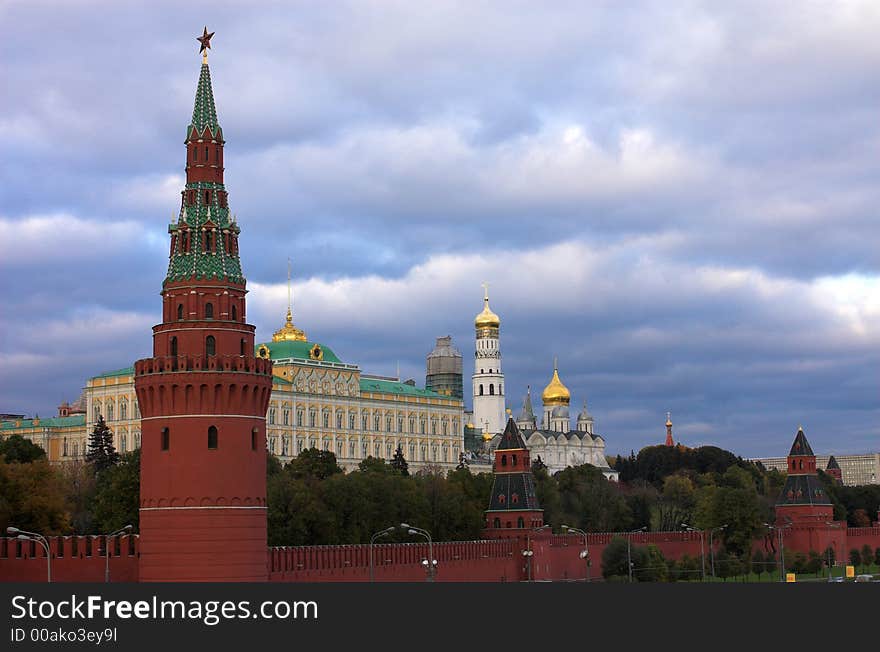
(487, 318)
(556, 393)
(289, 332)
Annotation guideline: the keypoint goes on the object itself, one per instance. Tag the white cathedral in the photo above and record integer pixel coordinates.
(554, 441)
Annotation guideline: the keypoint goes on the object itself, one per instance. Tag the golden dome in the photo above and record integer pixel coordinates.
(487, 318)
(289, 332)
(556, 393)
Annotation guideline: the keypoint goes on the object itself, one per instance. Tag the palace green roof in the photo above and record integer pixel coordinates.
(296, 349)
(127, 371)
(52, 422)
(396, 387)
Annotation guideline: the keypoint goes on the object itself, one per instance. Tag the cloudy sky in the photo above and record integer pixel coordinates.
(680, 200)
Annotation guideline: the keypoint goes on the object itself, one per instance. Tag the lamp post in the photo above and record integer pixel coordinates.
(712, 548)
(585, 553)
(629, 563)
(780, 537)
(127, 530)
(702, 549)
(430, 564)
(829, 548)
(378, 535)
(24, 535)
(527, 553)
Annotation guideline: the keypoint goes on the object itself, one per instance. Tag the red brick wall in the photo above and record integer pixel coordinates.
(74, 559)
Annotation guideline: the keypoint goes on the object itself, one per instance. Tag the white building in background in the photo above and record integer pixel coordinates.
(553, 440)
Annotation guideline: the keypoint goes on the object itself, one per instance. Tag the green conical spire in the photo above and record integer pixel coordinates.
(204, 232)
(204, 112)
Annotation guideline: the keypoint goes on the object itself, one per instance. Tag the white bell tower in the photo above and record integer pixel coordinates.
(488, 379)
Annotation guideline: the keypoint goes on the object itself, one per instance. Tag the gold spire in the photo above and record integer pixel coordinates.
(487, 318)
(556, 393)
(289, 332)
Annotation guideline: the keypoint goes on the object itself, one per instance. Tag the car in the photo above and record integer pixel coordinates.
(864, 578)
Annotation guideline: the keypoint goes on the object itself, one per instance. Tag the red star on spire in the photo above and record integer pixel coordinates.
(205, 40)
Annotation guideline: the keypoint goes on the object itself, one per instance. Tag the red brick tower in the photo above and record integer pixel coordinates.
(803, 498)
(833, 469)
(514, 505)
(203, 395)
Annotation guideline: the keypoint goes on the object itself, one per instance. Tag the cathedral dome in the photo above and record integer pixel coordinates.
(487, 318)
(556, 393)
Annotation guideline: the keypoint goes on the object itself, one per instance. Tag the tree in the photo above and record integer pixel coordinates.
(117, 494)
(657, 569)
(830, 556)
(79, 488)
(399, 464)
(757, 565)
(101, 452)
(867, 555)
(614, 559)
(814, 562)
(313, 464)
(32, 497)
(16, 448)
(855, 557)
(676, 504)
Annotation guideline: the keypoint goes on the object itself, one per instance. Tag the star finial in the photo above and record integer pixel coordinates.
(205, 40)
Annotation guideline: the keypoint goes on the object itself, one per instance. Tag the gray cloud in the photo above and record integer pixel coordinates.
(678, 201)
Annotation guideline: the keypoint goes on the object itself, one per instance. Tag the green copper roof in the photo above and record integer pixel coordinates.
(53, 422)
(204, 112)
(295, 349)
(203, 203)
(395, 387)
(127, 371)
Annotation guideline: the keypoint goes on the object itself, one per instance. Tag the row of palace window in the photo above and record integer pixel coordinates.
(365, 421)
(284, 446)
(492, 387)
(111, 412)
(208, 312)
(72, 448)
(213, 439)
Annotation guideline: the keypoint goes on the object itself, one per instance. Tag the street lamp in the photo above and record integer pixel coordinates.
(24, 535)
(702, 550)
(378, 535)
(585, 553)
(781, 538)
(829, 550)
(430, 564)
(127, 530)
(629, 563)
(712, 548)
(528, 555)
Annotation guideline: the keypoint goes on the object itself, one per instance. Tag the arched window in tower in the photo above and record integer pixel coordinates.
(491, 389)
(504, 460)
(179, 312)
(212, 437)
(165, 439)
(800, 462)
(173, 346)
(254, 439)
(481, 390)
(195, 154)
(243, 345)
(206, 158)
(520, 523)
(210, 345)
(234, 313)
(513, 457)
(65, 447)
(209, 311)
(496, 523)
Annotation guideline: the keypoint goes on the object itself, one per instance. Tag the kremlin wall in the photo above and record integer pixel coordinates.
(203, 398)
